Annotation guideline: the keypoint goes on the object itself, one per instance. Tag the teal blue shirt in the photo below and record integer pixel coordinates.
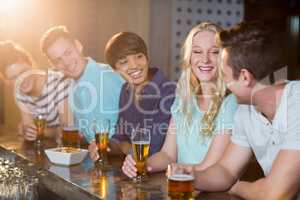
(96, 96)
(192, 146)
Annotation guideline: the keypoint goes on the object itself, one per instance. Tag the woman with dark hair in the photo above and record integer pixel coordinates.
(145, 99)
(37, 91)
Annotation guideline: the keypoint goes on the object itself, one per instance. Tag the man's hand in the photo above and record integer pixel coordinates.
(175, 168)
(29, 132)
(93, 150)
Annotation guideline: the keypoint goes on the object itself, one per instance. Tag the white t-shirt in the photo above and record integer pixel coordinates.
(266, 139)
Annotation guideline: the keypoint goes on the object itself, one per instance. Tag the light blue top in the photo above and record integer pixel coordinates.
(192, 146)
(96, 96)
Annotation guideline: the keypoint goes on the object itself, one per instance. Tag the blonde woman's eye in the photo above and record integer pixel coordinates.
(214, 51)
(197, 52)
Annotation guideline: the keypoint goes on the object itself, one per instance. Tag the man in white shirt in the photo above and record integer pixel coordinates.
(267, 121)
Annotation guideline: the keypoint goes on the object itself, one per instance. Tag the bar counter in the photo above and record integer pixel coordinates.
(85, 180)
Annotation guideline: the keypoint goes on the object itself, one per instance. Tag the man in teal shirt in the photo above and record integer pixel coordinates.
(97, 87)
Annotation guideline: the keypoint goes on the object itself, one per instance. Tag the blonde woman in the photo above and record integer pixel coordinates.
(202, 115)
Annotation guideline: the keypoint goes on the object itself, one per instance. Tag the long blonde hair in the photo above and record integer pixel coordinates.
(188, 85)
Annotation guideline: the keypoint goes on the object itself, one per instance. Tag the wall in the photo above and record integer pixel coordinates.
(120, 15)
(92, 21)
(187, 14)
(159, 36)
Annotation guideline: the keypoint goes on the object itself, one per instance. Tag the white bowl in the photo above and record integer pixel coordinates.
(61, 170)
(63, 158)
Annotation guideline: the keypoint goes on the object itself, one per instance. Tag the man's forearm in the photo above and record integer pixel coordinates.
(247, 190)
(214, 179)
(259, 190)
(119, 148)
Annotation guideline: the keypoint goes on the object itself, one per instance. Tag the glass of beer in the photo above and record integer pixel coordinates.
(70, 136)
(40, 124)
(180, 186)
(101, 128)
(140, 141)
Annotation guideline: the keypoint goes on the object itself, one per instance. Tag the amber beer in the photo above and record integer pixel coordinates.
(140, 155)
(180, 186)
(40, 125)
(102, 141)
(70, 136)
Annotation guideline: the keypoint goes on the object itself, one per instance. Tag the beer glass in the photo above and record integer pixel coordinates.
(70, 136)
(101, 128)
(40, 124)
(180, 186)
(140, 141)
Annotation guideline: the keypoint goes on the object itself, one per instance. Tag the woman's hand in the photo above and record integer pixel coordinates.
(129, 168)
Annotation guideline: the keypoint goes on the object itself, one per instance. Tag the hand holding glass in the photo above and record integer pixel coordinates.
(140, 144)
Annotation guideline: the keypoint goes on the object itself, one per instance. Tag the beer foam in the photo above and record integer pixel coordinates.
(141, 143)
(181, 177)
(70, 128)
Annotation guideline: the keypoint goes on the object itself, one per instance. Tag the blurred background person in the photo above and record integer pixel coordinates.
(37, 91)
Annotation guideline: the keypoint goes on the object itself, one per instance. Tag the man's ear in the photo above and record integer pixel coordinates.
(78, 45)
(246, 77)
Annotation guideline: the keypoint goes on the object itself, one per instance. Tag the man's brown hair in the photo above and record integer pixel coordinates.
(123, 44)
(52, 34)
(252, 46)
(11, 53)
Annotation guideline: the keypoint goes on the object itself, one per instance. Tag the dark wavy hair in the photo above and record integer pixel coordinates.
(252, 46)
(123, 44)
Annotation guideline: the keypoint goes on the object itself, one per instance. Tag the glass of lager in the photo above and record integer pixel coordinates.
(40, 124)
(101, 128)
(180, 186)
(140, 141)
(70, 136)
